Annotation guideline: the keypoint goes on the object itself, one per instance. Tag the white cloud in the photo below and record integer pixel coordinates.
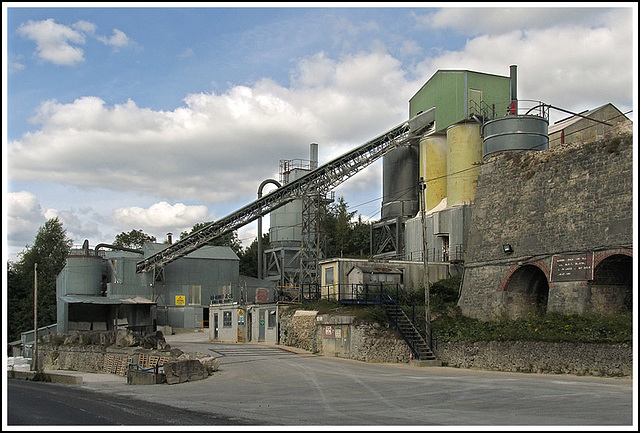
(161, 216)
(496, 20)
(53, 41)
(24, 216)
(199, 150)
(57, 43)
(85, 27)
(118, 40)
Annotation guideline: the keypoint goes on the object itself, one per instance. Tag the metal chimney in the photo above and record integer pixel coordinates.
(313, 155)
(513, 107)
(170, 238)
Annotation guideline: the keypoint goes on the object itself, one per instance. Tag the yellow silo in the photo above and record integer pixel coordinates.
(464, 155)
(433, 168)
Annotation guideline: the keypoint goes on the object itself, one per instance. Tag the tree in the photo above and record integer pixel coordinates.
(249, 258)
(345, 237)
(133, 239)
(50, 250)
(229, 240)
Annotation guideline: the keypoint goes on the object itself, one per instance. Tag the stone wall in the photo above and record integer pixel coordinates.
(567, 199)
(373, 342)
(540, 357)
(341, 336)
(100, 351)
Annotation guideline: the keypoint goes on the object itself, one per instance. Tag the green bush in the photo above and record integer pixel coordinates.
(443, 294)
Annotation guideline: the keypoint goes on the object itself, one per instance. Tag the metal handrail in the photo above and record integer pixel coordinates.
(390, 294)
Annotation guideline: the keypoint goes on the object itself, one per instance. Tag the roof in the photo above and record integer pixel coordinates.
(561, 124)
(205, 252)
(101, 300)
(376, 269)
(463, 71)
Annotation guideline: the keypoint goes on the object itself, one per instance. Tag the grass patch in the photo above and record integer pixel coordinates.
(551, 327)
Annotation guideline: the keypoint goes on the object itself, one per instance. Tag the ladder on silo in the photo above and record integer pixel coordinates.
(323, 178)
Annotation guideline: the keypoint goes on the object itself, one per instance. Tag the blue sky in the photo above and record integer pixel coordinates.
(159, 118)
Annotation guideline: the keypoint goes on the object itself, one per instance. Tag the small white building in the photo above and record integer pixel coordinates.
(244, 323)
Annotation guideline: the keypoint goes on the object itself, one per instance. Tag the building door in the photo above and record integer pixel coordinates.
(215, 326)
(262, 324)
(205, 317)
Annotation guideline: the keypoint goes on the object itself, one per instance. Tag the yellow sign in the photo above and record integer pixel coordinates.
(181, 300)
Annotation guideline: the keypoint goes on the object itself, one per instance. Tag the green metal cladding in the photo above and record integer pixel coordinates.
(452, 92)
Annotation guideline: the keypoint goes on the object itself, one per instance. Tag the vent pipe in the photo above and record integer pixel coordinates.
(513, 90)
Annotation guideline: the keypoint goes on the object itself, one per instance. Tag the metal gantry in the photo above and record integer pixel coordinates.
(323, 178)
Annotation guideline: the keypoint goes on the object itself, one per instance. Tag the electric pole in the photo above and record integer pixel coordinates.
(34, 365)
(425, 257)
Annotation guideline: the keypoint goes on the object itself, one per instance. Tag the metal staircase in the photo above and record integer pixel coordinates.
(325, 177)
(414, 339)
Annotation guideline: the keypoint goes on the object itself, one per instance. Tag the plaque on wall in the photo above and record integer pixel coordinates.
(572, 267)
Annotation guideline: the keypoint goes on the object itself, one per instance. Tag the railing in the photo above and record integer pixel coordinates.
(523, 107)
(385, 294)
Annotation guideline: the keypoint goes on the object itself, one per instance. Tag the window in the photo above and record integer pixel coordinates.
(328, 275)
(226, 319)
(195, 295)
(271, 322)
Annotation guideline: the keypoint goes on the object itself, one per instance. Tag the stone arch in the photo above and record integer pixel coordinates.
(612, 285)
(527, 291)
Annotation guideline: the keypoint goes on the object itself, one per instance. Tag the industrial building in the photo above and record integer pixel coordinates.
(99, 288)
(431, 219)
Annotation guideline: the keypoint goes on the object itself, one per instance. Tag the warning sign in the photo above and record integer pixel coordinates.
(329, 332)
(181, 300)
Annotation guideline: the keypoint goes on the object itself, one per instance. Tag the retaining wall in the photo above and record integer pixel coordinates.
(372, 342)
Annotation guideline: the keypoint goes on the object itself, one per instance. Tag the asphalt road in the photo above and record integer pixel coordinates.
(265, 385)
(49, 404)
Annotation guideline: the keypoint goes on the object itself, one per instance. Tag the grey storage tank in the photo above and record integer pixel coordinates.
(515, 132)
(400, 169)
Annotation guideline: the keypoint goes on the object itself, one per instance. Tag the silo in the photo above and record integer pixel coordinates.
(463, 158)
(84, 275)
(433, 168)
(400, 183)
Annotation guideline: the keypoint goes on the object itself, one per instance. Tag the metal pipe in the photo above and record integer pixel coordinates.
(513, 89)
(115, 247)
(262, 185)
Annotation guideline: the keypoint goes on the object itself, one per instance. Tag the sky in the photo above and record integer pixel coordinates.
(156, 119)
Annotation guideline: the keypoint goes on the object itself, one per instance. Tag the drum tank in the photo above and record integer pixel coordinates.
(515, 133)
(433, 168)
(463, 158)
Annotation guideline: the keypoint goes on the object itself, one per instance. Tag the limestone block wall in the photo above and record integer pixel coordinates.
(567, 199)
(373, 342)
(540, 357)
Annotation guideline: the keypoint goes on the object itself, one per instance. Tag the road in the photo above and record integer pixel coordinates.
(49, 404)
(265, 385)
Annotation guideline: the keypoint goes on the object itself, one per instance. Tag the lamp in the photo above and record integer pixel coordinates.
(507, 248)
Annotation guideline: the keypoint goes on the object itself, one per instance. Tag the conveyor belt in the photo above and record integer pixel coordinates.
(325, 178)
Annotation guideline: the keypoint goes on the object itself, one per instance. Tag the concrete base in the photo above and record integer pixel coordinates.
(46, 377)
(145, 378)
(426, 363)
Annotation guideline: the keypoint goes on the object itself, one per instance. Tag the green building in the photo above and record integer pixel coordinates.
(459, 94)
